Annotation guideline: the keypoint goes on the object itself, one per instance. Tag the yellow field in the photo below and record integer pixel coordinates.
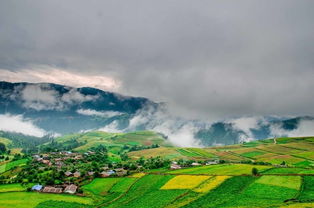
(184, 182)
(299, 205)
(211, 184)
(137, 175)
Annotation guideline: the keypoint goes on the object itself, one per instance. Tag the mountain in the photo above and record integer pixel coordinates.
(63, 109)
(57, 109)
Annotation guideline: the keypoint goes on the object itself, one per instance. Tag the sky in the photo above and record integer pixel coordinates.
(207, 60)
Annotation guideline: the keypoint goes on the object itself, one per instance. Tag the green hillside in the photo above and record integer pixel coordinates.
(297, 152)
(283, 176)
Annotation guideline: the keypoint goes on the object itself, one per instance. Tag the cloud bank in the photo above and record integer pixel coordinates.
(207, 59)
(16, 123)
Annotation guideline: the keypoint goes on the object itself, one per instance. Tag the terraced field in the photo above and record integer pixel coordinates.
(228, 185)
(13, 164)
(223, 169)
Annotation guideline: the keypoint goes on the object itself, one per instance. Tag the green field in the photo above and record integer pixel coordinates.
(12, 187)
(13, 164)
(100, 186)
(224, 169)
(307, 192)
(32, 199)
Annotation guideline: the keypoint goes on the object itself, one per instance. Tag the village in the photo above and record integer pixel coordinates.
(73, 168)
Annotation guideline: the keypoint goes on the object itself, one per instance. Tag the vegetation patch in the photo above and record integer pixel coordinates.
(211, 184)
(252, 154)
(292, 182)
(307, 192)
(226, 192)
(222, 169)
(147, 186)
(61, 204)
(122, 185)
(12, 187)
(185, 182)
(32, 199)
(100, 186)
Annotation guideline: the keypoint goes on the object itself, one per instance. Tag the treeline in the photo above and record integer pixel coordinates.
(27, 143)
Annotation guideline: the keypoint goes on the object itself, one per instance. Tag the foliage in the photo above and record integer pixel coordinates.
(254, 171)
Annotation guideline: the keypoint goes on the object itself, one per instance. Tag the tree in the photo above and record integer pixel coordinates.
(254, 171)
(283, 163)
(3, 149)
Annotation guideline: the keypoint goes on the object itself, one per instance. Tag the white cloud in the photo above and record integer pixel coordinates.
(74, 96)
(43, 97)
(35, 97)
(16, 123)
(305, 128)
(40, 73)
(90, 112)
(112, 128)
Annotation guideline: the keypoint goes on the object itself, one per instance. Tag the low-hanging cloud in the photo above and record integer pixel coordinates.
(207, 59)
(16, 123)
(44, 97)
(90, 112)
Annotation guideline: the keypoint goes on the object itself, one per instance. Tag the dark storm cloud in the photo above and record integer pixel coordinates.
(208, 59)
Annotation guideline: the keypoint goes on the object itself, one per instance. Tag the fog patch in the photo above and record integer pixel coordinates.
(305, 128)
(91, 112)
(43, 97)
(16, 123)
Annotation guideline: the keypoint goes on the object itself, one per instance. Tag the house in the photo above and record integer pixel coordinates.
(45, 161)
(214, 162)
(77, 174)
(104, 174)
(105, 168)
(71, 189)
(51, 189)
(174, 167)
(37, 187)
(68, 173)
(90, 173)
(120, 172)
(78, 157)
(195, 164)
(110, 172)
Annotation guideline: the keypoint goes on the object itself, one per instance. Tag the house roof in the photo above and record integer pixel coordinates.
(50, 189)
(37, 187)
(70, 188)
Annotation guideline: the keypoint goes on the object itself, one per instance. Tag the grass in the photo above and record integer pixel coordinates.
(222, 169)
(122, 185)
(289, 171)
(145, 186)
(307, 192)
(292, 182)
(226, 192)
(184, 182)
(32, 199)
(12, 164)
(100, 186)
(12, 187)
(5, 141)
(62, 204)
(252, 154)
